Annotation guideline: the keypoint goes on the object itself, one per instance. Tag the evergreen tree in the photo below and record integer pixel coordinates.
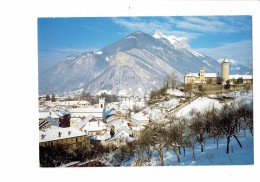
(53, 99)
(240, 80)
(47, 98)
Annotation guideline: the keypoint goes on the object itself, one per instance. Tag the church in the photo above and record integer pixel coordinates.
(214, 78)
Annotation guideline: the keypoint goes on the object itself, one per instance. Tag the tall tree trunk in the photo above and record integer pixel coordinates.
(238, 141)
(251, 130)
(179, 158)
(217, 143)
(184, 151)
(177, 152)
(193, 153)
(201, 147)
(228, 140)
(161, 155)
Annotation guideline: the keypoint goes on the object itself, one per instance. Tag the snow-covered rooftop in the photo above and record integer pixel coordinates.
(111, 118)
(57, 133)
(122, 135)
(139, 116)
(95, 126)
(83, 122)
(212, 75)
(241, 76)
(193, 74)
(55, 115)
(86, 110)
(102, 137)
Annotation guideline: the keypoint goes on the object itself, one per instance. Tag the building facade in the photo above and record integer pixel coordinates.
(69, 137)
(213, 78)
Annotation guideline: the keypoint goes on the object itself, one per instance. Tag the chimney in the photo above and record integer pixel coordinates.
(98, 123)
(69, 132)
(59, 134)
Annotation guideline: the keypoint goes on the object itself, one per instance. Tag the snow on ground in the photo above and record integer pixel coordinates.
(153, 113)
(169, 104)
(175, 92)
(199, 104)
(246, 97)
(211, 155)
(214, 156)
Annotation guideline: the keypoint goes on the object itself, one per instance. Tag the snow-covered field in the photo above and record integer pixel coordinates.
(200, 104)
(211, 155)
(214, 156)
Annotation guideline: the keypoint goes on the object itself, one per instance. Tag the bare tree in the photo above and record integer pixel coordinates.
(246, 116)
(171, 80)
(188, 89)
(214, 130)
(197, 127)
(227, 123)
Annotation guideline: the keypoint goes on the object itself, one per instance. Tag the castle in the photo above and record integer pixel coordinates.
(213, 78)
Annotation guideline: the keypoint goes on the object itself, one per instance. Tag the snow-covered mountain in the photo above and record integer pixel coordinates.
(135, 64)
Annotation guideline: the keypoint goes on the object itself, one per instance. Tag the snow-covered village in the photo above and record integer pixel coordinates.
(197, 124)
(147, 98)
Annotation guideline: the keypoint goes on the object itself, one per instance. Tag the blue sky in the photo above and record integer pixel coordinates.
(214, 36)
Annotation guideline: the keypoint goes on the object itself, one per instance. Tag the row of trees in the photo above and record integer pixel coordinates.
(52, 98)
(181, 133)
(94, 99)
(58, 154)
(86, 96)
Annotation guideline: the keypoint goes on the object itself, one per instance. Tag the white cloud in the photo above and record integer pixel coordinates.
(191, 27)
(137, 24)
(240, 51)
(205, 25)
(214, 24)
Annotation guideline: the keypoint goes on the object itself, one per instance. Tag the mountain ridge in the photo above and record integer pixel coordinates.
(139, 61)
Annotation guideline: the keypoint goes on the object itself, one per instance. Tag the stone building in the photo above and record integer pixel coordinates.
(214, 78)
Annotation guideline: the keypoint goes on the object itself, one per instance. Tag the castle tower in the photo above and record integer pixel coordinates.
(225, 70)
(101, 102)
(202, 75)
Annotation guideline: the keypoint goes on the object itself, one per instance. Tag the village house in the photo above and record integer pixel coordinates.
(121, 137)
(95, 128)
(83, 112)
(119, 114)
(244, 79)
(69, 137)
(139, 119)
(117, 123)
(53, 114)
(47, 119)
(48, 122)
